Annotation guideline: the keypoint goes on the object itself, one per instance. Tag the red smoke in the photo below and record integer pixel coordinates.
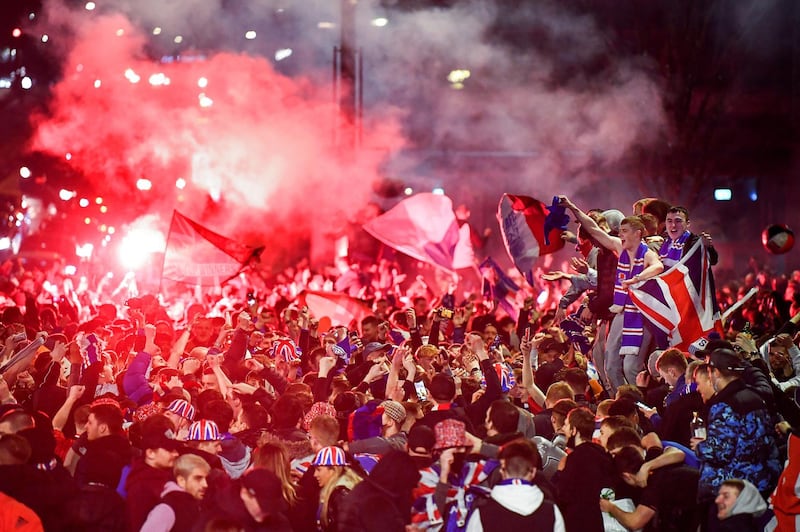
(264, 146)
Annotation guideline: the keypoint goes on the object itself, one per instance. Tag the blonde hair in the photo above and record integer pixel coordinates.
(602, 408)
(184, 465)
(427, 351)
(342, 476)
(273, 457)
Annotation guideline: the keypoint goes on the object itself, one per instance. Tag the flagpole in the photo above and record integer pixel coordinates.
(166, 248)
(22, 354)
(736, 306)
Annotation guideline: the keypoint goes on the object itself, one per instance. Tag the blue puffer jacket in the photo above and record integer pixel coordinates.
(740, 441)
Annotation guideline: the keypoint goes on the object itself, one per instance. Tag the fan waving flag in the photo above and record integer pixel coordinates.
(197, 255)
(499, 287)
(424, 227)
(680, 304)
(522, 223)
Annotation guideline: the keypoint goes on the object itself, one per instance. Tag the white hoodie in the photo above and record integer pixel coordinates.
(519, 498)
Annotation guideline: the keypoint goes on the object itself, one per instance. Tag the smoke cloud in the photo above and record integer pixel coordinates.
(537, 95)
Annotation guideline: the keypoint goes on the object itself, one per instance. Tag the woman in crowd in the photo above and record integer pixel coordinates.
(336, 479)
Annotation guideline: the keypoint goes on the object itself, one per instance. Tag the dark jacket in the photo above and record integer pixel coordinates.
(228, 505)
(603, 296)
(335, 503)
(589, 469)
(143, 486)
(373, 508)
(48, 493)
(759, 382)
(740, 441)
(674, 423)
(98, 508)
(49, 396)
(114, 451)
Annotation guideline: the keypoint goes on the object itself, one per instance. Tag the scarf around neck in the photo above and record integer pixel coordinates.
(672, 250)
(632, 324)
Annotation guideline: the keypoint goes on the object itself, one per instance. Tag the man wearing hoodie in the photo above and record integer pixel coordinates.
(739, 506)
(516, 503)
(179, 508)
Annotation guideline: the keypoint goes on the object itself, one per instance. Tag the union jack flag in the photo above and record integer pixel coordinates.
(301, 465)
(286, 349)
(680, 304)
(506, 376)
(330, 456)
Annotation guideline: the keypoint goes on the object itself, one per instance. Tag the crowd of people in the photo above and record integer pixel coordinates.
(240, 410)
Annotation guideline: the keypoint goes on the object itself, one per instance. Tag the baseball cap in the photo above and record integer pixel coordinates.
(372, 347)
(160, 440)
(725, 359)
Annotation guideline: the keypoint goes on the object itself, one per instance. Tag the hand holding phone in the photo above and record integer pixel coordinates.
(496, 343)
(411, 319)
(422, 392)
(445, 313)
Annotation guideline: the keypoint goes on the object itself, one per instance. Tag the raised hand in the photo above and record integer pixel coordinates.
(326, 364)
(244, 388)
(555, 276)
(579, 265)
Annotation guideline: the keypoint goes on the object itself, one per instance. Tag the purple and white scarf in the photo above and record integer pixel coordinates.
(672, 250)
(632, 324)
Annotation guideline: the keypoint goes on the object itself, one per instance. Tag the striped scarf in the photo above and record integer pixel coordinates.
(672, 250)
(632, 325)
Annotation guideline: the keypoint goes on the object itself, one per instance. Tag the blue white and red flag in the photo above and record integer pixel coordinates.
(522, 224)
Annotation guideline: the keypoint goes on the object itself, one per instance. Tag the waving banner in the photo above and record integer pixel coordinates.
(197, 255)
(522, 224)
(424, 227)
